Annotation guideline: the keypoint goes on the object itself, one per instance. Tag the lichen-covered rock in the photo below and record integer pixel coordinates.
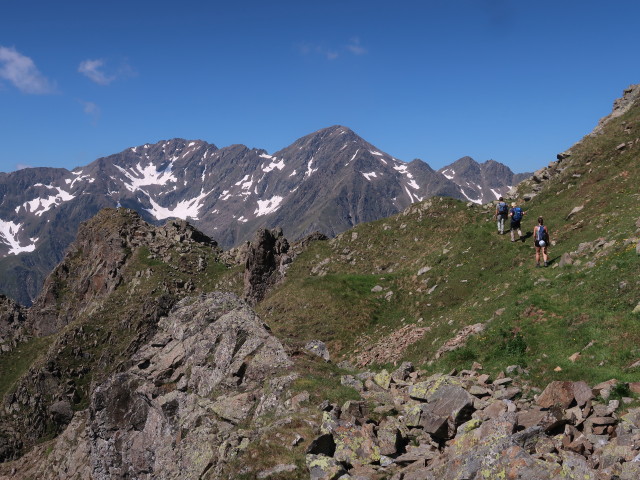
(356, 444)
(322, 467)
(169, 412)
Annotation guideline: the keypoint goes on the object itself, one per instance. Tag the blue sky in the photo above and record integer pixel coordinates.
(507, 80)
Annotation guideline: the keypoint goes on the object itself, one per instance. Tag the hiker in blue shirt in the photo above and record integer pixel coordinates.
(516, 214)
(502, 209)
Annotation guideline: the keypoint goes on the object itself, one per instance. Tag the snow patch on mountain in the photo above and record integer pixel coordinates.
(143, 176)
(412, 196)
(413, 184)
(273, 165)
(40, 205)
(449, 173)
(474, 200)
(310, 170)
(268, 206)
(354, 156)
(9, 235)
(404, 170)
(183, 209)
(369, 175)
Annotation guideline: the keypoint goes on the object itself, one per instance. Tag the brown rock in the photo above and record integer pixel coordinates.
(556, 393)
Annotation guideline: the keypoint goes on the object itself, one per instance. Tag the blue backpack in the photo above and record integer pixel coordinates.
(502, 208)
(517, 214)
(542, 233)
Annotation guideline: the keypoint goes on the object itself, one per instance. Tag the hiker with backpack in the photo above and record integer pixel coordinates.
(541, 241)
(516, 213)
(502, 209)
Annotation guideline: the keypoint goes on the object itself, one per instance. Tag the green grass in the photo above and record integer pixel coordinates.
(15, 363)
(545, 315)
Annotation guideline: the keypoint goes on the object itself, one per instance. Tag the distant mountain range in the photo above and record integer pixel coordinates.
(327, 181)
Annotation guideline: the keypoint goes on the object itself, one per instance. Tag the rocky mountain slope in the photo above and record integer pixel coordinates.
(138, 344)
(327, 181)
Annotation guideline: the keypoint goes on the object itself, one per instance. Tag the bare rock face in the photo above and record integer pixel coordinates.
(12, 317)
(184, 405)
(78, 286)
(198, 377)
(266, 257)
(94, 316)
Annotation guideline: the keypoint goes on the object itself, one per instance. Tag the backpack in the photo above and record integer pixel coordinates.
(542, 233)
(502, 208)
(517, 213)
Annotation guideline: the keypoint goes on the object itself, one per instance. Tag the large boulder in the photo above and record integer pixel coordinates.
(199, 375)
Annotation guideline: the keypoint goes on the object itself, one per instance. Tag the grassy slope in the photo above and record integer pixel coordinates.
(547, 314)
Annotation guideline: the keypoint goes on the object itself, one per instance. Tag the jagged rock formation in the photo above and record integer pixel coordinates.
(188, 401)
(265, 261)
(98, 306)
(200, 376)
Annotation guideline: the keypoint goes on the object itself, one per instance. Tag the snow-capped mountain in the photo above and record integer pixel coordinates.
(327, 181)
(482, 182)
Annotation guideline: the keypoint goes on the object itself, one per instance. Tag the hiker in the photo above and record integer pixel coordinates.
(502, 209)
(516, 214)
(541, 241)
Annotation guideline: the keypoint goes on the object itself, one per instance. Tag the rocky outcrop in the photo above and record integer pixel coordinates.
(450, 427)
(78, 287)
(265, 263)
(199, 377)
(186, 403)
(620, 107)
(12, 318)
(98, 306)
(536, 182)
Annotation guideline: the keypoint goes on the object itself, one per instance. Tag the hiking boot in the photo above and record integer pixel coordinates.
(546, 264)
(537, 265)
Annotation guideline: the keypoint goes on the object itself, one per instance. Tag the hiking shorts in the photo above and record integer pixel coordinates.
(515, 224)
(537, 245)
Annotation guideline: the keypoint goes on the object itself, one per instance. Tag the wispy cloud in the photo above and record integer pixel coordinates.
(97, 71)
(309, 49)
(355, 47)
(22, 166)
(92, 110)
(23, 73)
(93, 70)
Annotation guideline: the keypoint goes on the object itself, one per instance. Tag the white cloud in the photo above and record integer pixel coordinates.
(92, 70)
(23, 73)
(355, 47)
(22, 166)
(91, 109)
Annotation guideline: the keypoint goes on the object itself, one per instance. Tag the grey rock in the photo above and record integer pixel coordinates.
(319, 349)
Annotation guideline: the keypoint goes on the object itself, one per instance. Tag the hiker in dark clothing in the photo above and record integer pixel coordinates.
(516, 213)
(502, 209)
(541, 241)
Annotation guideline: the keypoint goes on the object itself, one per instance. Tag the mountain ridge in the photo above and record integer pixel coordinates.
(328, 181)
